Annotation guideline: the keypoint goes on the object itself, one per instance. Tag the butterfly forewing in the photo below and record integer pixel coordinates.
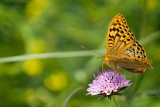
(119, 36)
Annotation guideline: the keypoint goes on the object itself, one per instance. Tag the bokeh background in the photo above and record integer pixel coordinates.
(30, 27)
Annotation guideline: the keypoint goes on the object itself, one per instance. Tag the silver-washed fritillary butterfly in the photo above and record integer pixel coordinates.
(123, 50)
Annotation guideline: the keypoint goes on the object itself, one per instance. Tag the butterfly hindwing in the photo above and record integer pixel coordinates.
(133, 65)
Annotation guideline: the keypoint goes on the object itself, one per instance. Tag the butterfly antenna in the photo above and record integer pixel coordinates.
(92, 51)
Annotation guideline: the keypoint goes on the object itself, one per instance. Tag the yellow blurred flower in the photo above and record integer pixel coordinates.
(34, 8)
(35, 97)
(155, 56)
(57, 81)
(31, 98)
(33, 67)
(152, 4)
(36, 46)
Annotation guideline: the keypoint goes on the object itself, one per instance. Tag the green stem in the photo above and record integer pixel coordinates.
(114, 100)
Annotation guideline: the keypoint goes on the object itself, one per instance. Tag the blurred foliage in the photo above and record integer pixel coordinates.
(38, 26)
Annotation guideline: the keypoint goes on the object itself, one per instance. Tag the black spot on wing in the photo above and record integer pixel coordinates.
(119, 23)
(140, 45)
(111, 37)
(114, 24)
(131, 38)
(132, 34)
(124, 36)
(110, 43)
(122, 32)
(134, 44)
(128, 39)
(110, 40)
(114, 29)
(118, 35)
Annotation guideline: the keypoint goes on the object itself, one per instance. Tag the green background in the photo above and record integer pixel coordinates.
(48, 26)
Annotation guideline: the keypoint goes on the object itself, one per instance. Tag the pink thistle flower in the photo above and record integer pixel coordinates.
(107, 83)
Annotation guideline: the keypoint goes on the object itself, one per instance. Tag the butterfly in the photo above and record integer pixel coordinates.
(123, 50)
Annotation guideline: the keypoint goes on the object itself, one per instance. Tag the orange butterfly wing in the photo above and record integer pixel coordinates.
(123, 49)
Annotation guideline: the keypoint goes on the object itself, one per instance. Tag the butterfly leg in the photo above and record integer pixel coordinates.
(115, 69)
(102, 67)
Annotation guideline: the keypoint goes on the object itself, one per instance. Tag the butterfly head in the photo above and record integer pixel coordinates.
(105, 59)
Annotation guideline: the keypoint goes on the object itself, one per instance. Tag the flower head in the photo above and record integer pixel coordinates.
(108, 82)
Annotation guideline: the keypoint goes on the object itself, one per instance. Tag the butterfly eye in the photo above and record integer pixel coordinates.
(106, 58)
